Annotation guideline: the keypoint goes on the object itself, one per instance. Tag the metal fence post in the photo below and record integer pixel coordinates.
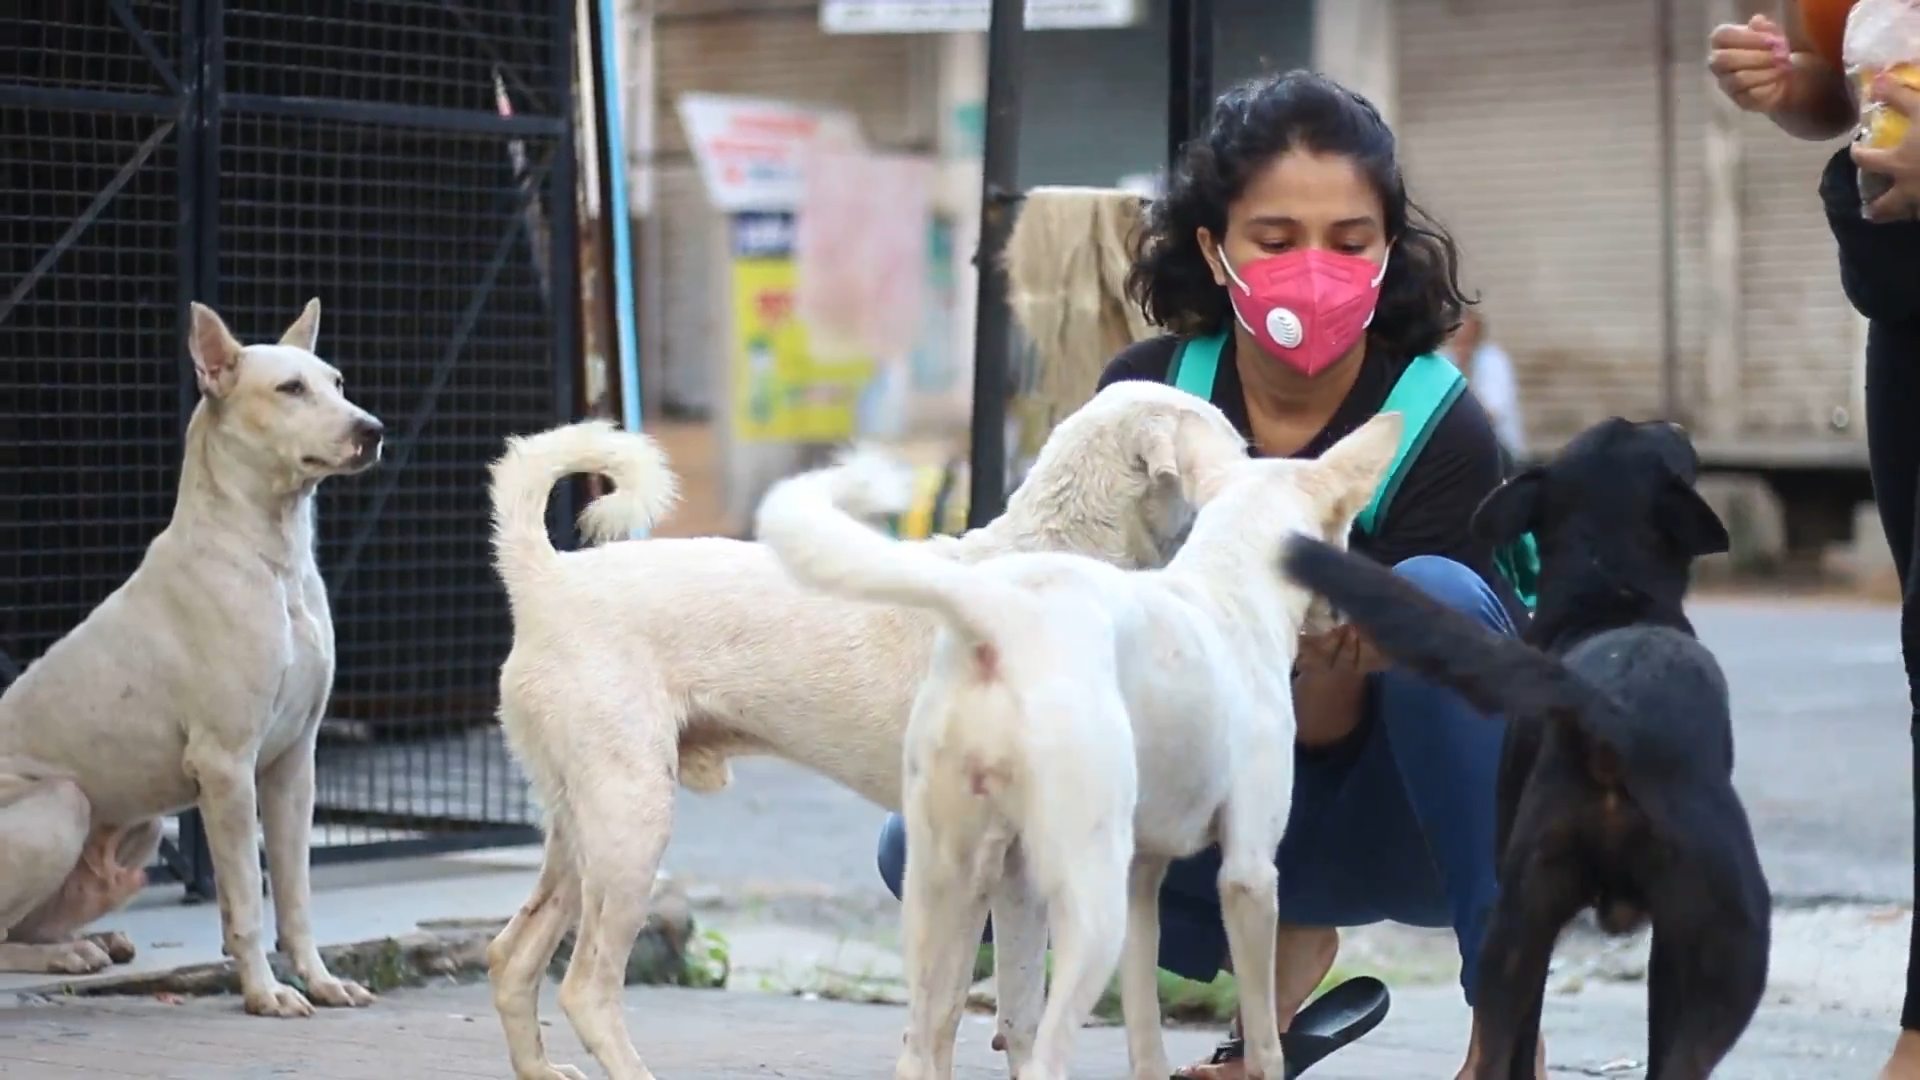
(993, 321)
(1189, 73)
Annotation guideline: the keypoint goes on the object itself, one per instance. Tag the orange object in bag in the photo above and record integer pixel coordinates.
(1825, 24)
(1881, 127)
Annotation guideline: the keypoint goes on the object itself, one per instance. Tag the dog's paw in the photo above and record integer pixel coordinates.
(278, 999)
(80, 957)
(335, 993)
(550, 1071)
(118, 946)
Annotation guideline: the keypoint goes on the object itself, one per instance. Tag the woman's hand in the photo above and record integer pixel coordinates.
(1776, 72)
(1344, 650)
(1901, 163)
(1753, 63)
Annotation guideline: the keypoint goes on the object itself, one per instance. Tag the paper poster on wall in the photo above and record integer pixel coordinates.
(862, 250)
(782, 391)
(751, 150)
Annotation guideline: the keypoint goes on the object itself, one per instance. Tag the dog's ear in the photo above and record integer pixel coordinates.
(1686, 520)
(216, 353)
(1510, 510)
(1159, 450)
(1358, 463)
(305, 331)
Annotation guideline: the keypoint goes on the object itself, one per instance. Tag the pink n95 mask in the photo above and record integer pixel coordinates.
(1306, 308)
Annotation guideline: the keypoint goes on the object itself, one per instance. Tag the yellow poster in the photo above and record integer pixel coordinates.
(782, 392)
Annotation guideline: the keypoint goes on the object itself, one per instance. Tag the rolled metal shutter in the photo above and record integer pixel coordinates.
(1530, 129)
(1801, 355)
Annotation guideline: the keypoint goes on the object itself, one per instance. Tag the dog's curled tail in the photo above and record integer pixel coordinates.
(523, 477)
(805, 521)
(1494, 672)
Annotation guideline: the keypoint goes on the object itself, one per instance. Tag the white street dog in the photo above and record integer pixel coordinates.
(638, 664)
(1104, 720)
(200, 681)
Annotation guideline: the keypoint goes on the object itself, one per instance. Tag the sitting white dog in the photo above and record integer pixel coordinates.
(638, 664)
(201, 681)
(1108, 722)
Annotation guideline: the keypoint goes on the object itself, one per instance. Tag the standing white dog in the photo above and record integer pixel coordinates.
(638, 664)
(200, 681)
(1104, 720)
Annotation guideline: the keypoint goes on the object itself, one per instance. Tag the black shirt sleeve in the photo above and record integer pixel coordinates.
(1433, 509)
(1142, 361)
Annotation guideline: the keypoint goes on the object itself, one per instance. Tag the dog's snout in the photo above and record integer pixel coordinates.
(367, 433)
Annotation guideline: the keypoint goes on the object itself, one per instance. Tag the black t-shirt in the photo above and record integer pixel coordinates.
(1461, 462)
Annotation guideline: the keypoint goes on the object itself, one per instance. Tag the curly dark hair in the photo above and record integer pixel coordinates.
(1255, 122)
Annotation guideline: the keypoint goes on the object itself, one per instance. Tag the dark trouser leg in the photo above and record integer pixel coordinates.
(893, 854)
(1893, 449)
(892, 858)
(1448, 755)
(1395, 823)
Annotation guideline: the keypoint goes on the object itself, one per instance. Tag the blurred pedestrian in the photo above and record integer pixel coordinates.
(1489, 372)
(1794, 77)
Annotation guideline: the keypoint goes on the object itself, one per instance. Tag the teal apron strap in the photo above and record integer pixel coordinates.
(1425, 391)
(1196, 363)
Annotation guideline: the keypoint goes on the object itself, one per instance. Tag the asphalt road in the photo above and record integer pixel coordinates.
(1824, 762)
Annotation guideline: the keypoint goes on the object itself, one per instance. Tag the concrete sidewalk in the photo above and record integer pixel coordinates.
(713, 1035)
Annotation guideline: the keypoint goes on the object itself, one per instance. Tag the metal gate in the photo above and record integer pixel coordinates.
(410, 162)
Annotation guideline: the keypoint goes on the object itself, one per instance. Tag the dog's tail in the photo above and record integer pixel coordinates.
(806, 523)
(1494, 672)
(523, 477)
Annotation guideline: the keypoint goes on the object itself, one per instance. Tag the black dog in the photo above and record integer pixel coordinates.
(1616, 786)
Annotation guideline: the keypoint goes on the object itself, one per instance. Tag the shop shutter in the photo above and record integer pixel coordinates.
(1530, 128)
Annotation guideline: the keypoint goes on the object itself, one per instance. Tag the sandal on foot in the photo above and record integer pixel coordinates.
(1333, 1020)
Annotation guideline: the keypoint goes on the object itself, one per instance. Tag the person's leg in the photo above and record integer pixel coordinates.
(1394, 823)
(1893, 453)
(1337, 793)
(891, 858)
(892, 854)
(1448, 756)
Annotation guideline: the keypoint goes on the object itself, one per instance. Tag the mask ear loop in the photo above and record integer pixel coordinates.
(1377, 279)
(1221, 253)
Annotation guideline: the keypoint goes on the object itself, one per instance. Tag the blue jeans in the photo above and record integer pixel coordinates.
(1394, 823)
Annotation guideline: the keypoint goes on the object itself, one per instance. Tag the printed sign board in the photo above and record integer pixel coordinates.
(783, 391)
(751, 150)
(969, 16)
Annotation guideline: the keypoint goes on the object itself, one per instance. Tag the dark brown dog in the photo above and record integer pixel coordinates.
(1616, 782)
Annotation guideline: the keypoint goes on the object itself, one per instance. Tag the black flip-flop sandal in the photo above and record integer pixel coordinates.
(1333, 1020)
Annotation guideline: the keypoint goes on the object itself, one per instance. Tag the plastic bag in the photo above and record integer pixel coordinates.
(1883, 38)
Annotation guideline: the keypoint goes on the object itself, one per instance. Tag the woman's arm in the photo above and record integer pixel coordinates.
(1431, 514)
(1780, 74)
(1817, 106)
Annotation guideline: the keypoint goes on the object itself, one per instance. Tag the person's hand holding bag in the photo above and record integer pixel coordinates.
(1898, 164)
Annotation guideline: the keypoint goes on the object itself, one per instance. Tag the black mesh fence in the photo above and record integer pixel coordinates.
(90, 291)
(401, 160)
